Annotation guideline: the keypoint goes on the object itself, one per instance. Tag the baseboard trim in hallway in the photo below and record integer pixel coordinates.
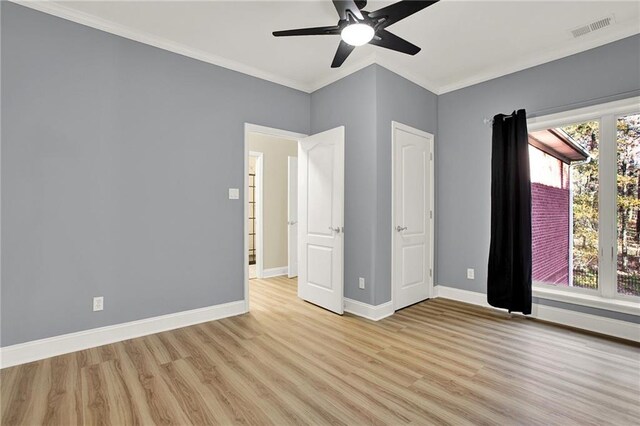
(58, 345)
(275, 272)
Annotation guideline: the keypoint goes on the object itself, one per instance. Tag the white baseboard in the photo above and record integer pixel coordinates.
(612, 327)
(275, 272)
(72, 342)
(467, 296)
(374, 313)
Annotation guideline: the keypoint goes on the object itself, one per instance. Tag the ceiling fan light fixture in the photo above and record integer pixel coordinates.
(357, 34)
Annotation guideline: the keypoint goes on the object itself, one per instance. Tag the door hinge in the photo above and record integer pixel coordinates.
(431, 214)
(431, 156)
(430, 272)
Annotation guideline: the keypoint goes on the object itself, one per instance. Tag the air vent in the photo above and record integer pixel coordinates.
(581, 31)
(593, 26)
(600, 24)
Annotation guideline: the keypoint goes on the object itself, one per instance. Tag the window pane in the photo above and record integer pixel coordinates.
(549, 218)
(585, 185)
(564, 204)
(564, 197)
(628, 150)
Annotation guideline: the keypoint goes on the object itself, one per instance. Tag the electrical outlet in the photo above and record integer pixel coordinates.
(234, 193)
(98, 303)
(361, 283)
(471, 274)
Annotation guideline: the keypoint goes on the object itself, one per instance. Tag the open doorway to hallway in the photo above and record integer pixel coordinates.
(272, 205)
(297, 178)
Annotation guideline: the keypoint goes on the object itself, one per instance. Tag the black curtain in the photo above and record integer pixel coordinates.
(509, 277)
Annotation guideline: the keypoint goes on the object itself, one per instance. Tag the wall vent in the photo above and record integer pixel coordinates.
(593, 26)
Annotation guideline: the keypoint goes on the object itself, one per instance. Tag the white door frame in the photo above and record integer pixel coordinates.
(254, 128)
(292, 225)
(395, 125)
(259, 232)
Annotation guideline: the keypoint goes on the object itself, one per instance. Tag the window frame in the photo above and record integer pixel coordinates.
(606, 296)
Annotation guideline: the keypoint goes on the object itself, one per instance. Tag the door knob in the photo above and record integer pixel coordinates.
(291, 222)
(401, 228)
(336, 230)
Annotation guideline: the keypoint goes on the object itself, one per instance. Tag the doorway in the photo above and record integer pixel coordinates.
(271, 214)
(254, 199)
(294, 213)
(412, 215)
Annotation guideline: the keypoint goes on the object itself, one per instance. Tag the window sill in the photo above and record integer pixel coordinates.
(616, 305)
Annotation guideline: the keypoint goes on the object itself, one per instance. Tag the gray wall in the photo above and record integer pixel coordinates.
(116, 160)
(351, 102)
(463, 151)
(400, 100)
(366, 103)
(117, 156)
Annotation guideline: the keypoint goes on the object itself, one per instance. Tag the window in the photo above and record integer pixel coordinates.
(628, 204)
(585, 191)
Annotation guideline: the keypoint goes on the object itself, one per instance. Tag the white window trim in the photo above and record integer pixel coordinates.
(606, 296)
(585, 299)
(595, 112)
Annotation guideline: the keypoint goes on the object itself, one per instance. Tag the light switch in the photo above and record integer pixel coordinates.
(234, 193)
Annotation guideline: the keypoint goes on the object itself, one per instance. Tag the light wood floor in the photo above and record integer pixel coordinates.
(289, 362)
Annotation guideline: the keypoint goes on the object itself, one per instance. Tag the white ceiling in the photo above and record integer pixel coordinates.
(463, 42)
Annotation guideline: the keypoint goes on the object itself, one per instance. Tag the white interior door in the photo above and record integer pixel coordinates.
(292, 216)
(321, 219)
(412, 215)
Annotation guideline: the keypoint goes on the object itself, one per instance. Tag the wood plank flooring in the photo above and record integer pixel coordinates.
(289, 362)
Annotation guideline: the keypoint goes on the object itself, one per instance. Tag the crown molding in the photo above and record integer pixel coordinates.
(540, 58)
(70, 14)
(342, 72)
(402, 72)
(60, 10)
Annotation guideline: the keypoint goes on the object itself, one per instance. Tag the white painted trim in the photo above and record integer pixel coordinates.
(402, 72)
(545, 56)
(342, 72)
(431, 140)
(466, 296)
(259, 199)
(72, 342)
(60, 10)
(373, 58)
(612, 327)
(372, 312)
(254, 128)
(592, 300)
(594, 112)
(275, 272)
(270, 131)
(606, 296)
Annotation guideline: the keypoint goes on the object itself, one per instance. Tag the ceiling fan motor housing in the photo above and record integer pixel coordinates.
(358, 27)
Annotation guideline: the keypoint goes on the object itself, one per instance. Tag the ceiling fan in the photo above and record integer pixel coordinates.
(358, 27)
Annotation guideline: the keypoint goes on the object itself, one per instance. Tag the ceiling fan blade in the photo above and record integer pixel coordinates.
(398, 11)
(344, 50)
(343, 5)
(384, 38)
(308, 31)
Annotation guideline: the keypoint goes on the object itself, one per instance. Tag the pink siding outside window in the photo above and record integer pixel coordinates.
(550, 204)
